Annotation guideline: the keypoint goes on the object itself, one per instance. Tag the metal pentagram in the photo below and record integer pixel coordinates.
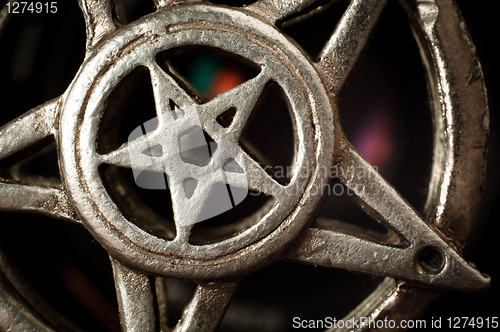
(167, 29)
(312, 88)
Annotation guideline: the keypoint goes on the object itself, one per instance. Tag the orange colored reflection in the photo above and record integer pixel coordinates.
(225, 79)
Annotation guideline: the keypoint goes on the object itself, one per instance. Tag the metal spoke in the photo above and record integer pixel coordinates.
(243, 98)
(30, 129)
(132, 155)
(275, 10)
(165, 89)
(121, 156)
(259, 180)
(98, 20)
(48, 201)
(348, 42)
(161, 289)
(135, 299)
(380, 200)
(330, 248)
(207, 308)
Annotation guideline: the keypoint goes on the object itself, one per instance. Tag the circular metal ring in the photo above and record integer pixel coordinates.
(137, 45)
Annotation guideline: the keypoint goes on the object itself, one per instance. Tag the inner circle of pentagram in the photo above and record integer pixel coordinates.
(137, 45)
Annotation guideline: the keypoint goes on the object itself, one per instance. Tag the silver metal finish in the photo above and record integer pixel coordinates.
(349, 40)
(137, 45)
(386, 205)
(277, 10)
(279, 231)
(206, 309)
(135, 298)
(98, 20)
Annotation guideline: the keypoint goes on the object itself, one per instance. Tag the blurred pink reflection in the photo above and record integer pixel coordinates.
(374, 138)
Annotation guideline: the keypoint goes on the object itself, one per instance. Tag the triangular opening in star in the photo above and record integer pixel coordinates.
(269, 134)
(226, 118)
(130, 106)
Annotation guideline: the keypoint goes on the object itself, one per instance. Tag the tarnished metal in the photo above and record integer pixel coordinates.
(98, 20)
(279, 230)
(342, 51)
(137, 45)
(206, 309)
(135, 298)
